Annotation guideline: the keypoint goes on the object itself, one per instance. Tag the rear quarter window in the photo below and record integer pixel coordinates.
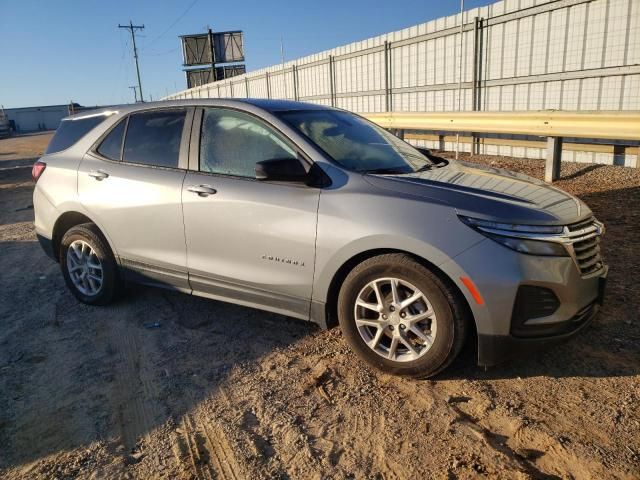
(111, 146)
(70, 131)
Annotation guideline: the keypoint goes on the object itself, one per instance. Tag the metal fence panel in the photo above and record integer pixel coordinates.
(524, 55)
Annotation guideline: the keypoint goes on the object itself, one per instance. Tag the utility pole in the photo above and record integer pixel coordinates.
(135, 93)
(132, 28)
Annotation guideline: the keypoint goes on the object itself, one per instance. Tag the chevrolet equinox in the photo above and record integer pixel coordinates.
(316, 213)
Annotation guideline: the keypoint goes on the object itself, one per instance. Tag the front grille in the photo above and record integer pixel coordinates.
(584, 245)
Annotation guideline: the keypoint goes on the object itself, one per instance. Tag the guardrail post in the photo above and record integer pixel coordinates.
(554, 154)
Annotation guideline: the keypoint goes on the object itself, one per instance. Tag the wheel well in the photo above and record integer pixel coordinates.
(66, 221)
(343, 271)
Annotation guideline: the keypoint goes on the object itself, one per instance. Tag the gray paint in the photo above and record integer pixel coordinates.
(216, 246)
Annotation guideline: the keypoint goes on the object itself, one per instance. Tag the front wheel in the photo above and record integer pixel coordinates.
(87, 264)
(400, 317)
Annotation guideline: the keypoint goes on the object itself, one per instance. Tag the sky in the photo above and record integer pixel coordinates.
(57, 51)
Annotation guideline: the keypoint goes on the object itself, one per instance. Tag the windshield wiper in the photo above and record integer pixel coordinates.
(385, 171)
(424, 168)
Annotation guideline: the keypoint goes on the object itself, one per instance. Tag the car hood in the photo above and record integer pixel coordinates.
(489, 193)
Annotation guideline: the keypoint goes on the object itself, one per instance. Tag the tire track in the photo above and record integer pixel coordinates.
(134, 393)
(202, 448)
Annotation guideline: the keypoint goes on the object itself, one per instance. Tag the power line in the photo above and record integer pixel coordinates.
(172, 25)
(132, 28)
(159, 54)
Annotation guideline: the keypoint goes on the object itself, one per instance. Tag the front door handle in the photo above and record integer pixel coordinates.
(202, 190)
(98, 174)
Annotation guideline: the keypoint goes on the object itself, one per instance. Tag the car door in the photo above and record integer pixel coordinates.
(248, 241)
(131, 185)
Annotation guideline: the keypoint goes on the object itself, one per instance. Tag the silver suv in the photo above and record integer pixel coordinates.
(318, 214)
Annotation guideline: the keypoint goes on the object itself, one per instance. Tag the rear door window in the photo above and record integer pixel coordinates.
(72, 130)
(111, 146)
(153, 138)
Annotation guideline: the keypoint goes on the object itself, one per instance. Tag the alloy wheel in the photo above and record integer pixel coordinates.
(84, 267)
(395, 319)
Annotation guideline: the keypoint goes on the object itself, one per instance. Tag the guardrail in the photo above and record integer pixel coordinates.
(554, 125)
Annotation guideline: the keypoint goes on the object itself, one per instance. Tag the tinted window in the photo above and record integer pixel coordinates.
(232, 142)
(111, 146)
(356, 143)
(70, 131)
(153, 138)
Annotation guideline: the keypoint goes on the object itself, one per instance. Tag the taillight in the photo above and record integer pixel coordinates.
(37, 170)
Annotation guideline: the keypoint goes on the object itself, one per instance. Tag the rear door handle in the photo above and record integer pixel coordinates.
(202, 190)
(98, 174)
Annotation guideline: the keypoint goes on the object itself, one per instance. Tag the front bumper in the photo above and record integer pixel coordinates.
(498, 273)
(495, 349)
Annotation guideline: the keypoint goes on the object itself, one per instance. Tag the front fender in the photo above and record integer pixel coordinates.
(356, 221)
(333, 264)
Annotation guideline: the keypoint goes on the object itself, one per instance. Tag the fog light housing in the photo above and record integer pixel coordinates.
(532, 302)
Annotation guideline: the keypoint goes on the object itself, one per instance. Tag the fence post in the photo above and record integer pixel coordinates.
(332, 87)
(554, 154)
(294, 72)
(387, 96)
(266, 75)
(246, 87)
(474, 81)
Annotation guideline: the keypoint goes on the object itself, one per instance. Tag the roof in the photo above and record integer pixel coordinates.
(280, 105)
(262, 103)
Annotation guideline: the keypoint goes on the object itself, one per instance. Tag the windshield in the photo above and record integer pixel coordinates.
(356, 143)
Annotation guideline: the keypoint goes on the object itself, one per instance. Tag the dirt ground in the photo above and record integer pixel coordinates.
(162, 384)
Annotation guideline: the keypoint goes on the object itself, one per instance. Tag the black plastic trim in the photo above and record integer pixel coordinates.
(495, 349)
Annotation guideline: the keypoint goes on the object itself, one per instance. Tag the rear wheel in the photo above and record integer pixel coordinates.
(400, 317)
(87, 264)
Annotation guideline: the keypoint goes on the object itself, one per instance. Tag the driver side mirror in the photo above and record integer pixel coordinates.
(281, 170)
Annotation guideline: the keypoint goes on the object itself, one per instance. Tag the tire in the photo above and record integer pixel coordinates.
(90, 291)
(442, 328)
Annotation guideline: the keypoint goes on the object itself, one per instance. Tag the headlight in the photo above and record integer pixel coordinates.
(530, 239)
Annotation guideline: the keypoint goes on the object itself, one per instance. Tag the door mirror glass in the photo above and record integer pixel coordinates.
(281, 170)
